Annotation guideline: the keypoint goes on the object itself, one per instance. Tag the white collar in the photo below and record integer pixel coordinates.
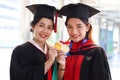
(37, 46)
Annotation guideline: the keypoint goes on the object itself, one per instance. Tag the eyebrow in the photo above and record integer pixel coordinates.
(79, 24)
(41, 23)
(44, 23)
(76, 24)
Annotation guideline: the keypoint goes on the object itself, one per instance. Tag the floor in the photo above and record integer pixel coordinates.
(114, 63)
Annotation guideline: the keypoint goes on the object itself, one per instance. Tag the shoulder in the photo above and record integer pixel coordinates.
(22, 48)
(99, 49)
(96, 50)
(99, 53)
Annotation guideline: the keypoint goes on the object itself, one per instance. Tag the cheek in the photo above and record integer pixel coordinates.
(49, 33)
(69, 32)
(82, 31)
(34, 28)
(36, 31)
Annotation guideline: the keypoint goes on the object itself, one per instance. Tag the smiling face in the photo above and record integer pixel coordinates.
(42, 30)
(76, 29)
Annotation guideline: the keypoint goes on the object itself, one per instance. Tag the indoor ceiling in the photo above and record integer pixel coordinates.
(110, 9)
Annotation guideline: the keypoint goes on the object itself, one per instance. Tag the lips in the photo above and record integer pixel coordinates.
(43, 35)
(75, 36)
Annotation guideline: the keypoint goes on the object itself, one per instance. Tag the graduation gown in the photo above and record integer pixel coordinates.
(86, 61)
(27, 63)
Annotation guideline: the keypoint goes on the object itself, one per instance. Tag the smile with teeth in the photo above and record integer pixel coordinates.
(75, 36)
(43, 35)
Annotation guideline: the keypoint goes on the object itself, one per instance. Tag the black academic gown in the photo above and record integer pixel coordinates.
(27, 63)
(88, 63)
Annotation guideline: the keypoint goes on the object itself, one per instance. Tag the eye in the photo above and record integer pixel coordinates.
(69, 27)
(41, 25)
(79, 26)
(50, 28)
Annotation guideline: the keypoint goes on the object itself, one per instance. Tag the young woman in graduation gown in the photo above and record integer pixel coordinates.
(33, 60)
(85, 60)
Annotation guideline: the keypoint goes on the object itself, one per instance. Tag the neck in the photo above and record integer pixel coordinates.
(81, 41)
(40, 43)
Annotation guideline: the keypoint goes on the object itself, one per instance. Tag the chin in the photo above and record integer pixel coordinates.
(42, 40)
(77, 40)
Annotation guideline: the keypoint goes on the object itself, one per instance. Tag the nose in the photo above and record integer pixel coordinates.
(45, 30)
(74, 31)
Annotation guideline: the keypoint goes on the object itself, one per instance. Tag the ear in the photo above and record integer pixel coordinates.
(32, 29)
(88, 27)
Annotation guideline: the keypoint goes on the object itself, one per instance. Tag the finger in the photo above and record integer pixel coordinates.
(55, 54)
(61, 54)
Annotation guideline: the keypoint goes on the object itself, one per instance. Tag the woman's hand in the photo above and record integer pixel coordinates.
(61, 58)
(52, 54)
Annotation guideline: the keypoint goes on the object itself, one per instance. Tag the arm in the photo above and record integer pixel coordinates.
(100, 65)
(48, 65)
(61, 59)
(24, 60)
(61, 70)
(52, 53)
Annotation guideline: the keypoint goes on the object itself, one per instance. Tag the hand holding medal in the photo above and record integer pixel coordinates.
(62, 46)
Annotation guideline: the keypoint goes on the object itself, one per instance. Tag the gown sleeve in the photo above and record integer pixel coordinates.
(26, 65)
(100, 69)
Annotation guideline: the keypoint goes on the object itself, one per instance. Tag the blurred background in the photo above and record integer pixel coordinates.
(15, 24)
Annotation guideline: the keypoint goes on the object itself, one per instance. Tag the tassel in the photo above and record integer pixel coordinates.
(55, 24)
(66, 42)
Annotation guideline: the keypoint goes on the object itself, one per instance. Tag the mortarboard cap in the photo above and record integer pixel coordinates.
(42, 10)
(79, 10)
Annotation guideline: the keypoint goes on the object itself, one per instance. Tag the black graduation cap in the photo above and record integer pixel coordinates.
(44, 10)
(79, 10)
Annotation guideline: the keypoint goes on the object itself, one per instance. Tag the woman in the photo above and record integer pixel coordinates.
(85, 60)
(33, 60)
